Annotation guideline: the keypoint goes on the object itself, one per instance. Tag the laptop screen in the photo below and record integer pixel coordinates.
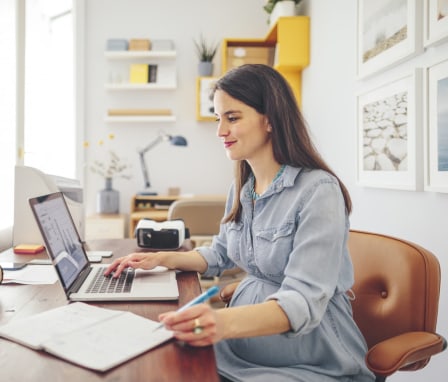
(64, 245)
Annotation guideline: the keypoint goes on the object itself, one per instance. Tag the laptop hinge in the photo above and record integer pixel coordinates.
(80, 280)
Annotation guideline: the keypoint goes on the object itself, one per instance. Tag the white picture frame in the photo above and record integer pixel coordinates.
(436, 21)
(389, 32)
(436, 132)
(389, 119)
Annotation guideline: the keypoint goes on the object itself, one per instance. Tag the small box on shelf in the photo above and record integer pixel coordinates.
(117, 44)
(139, 44)
(162, 45)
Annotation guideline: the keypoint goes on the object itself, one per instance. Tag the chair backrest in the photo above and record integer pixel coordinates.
(397, 286)
(202, 215)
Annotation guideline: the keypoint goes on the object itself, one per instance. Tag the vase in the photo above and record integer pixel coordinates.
(205, 68)
(282, 9)
(108, 199)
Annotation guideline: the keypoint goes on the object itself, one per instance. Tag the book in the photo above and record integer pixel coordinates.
(152, 73)
(86, 335)
(139, 74)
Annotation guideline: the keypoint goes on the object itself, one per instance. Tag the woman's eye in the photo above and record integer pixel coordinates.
(232, 119)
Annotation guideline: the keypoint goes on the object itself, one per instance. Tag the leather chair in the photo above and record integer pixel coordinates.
(396, 289)
(201, 215)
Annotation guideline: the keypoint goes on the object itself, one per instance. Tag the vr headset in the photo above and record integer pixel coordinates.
(167, 235)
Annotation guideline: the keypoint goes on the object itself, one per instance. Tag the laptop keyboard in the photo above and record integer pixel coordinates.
(109, 284)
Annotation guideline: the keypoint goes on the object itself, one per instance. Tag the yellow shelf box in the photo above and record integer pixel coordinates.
(286, 47)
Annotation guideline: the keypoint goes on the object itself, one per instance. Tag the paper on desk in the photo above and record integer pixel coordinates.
(86, 335)
(31, 274)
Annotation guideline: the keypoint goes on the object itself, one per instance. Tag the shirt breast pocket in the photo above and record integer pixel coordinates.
(273, 247)
(234, 240)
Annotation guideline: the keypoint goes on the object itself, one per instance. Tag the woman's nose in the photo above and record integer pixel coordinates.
(221, 130)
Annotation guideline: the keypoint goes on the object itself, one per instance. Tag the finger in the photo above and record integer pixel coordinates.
(121, 267)
(112, 267)
(194, 339)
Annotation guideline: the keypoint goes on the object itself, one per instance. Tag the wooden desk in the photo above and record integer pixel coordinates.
(168, 362)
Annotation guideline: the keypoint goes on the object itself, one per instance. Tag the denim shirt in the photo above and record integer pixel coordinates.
(294, 239)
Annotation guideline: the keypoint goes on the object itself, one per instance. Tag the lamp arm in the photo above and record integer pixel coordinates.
(144, 169)
(141, 154)
(150, 145)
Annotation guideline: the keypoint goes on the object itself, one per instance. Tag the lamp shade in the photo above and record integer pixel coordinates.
(178, 140)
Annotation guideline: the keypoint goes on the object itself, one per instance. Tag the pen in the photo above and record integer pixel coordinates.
(197, 300)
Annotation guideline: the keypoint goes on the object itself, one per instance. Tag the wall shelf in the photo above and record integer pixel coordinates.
(290, 38)
(149, 86)
(139, 119)
(119, 77)
(126, 55)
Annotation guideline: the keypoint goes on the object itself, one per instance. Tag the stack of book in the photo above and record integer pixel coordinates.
(142, 73)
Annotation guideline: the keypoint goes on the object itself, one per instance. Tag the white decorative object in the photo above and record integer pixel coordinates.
(281, 9)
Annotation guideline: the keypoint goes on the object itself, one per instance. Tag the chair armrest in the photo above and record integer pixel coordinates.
(226, 292)
(398, 352)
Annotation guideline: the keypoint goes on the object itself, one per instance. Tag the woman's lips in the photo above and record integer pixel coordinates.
(228, 144)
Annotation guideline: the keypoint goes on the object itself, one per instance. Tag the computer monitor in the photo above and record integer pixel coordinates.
(31, 182)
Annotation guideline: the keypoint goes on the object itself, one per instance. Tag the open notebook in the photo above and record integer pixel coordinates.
(83, 281)
(87, 335)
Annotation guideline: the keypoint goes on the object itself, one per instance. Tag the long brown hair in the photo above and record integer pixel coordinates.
(264, 89)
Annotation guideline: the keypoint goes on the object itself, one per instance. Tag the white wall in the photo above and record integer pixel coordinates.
(329, 88)
(329, 104)
(202, 167)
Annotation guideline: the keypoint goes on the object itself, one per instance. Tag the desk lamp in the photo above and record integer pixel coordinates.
(176, 140)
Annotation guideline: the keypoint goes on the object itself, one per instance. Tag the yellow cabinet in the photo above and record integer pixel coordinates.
(286, 47)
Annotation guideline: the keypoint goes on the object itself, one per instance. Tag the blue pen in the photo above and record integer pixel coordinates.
(197, 300)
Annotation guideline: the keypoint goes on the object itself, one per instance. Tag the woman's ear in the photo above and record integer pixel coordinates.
(268, 125)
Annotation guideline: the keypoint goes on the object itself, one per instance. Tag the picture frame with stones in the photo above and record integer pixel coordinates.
(389, 122)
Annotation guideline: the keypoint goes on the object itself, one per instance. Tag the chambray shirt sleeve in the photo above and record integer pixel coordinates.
(216, 254)
(314, 265)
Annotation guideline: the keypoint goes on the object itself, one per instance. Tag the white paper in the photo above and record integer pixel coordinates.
(87, 335)
(109, 344)
(31, 274)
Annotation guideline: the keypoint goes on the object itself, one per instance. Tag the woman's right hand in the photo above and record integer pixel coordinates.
(136, 260)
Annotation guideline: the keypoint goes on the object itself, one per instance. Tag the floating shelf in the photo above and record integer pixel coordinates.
(126, 54)
(139, 119)
(148, 86)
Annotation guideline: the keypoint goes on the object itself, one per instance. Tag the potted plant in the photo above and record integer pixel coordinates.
(206, 52)
(109, 167)
(278, 8)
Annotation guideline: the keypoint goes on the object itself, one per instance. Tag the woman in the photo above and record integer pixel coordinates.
(286, 225)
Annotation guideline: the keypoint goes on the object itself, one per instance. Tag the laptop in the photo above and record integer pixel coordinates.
(84, 281)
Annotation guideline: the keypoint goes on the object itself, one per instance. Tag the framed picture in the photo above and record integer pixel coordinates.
(436, 19)
(204, 105)
(389, 31)
(390, 134)
(436, 136)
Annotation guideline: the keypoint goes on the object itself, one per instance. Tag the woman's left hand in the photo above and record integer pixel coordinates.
(197, 326)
